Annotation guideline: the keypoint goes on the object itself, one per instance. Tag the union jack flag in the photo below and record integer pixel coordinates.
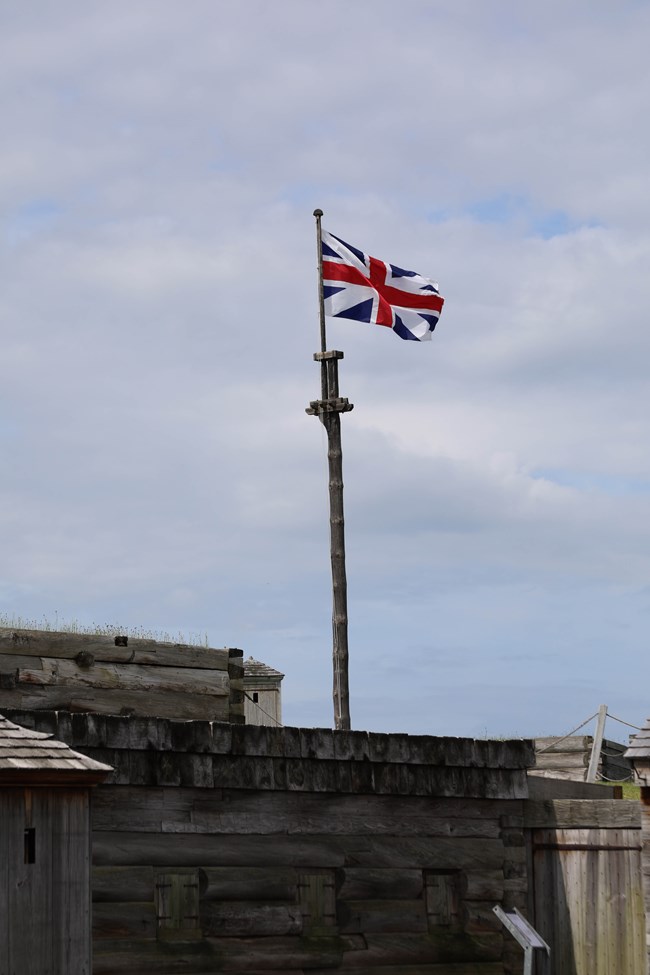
(368, 290)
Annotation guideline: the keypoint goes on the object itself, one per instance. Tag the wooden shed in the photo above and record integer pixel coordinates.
(262, 693)
(45, 924)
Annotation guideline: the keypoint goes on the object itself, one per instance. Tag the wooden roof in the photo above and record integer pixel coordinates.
(27, 755)
(254, 668)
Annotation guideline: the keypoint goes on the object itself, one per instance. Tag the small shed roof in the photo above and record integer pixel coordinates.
(254, 668)
(27, 755)
(639, 747)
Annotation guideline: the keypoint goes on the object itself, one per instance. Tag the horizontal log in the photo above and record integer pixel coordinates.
(249, 919)
(436, 947)
(163, 705)
(130, 677)
(377, 916)
(249, 883)
(170, 849)
(37, 643)
(553, 746)
(562, 760)
(245, 811)
(121, 884)
(463, 968)
(358, 883)
(213, 955)
(127, 919)
(605, 813)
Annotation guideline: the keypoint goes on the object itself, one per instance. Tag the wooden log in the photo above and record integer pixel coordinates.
(243, 811)
(122, 884)
(462, 968)
(608, 813)
(284, 953)
(124, 919)
(250, 919)
(130, 677)
(164, 705)
(40, 643)
(436, 947)
(367, 883)
(381, 916)
(555, 746)
(249, 884)
(170, 849)
(562, 760)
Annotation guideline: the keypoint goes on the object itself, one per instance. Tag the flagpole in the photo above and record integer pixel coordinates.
(328, 409)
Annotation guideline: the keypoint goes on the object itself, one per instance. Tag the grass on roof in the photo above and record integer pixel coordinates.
(12, 622)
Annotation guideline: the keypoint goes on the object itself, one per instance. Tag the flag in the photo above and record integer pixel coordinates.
(369, 290)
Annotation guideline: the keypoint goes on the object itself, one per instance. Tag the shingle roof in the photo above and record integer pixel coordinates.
(25, 751)
(640, 744)
(254, 668)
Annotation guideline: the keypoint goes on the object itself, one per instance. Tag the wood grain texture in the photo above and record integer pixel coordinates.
(130, 677)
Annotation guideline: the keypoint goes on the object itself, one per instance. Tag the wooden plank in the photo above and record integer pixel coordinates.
(436, 947)
(130, 677)
(37, 643)
(169, 849)
(245, 811)
(562, 760)
(163, 705)
(569, 813)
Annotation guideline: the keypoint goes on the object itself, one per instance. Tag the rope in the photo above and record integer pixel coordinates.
(555, 743)
(614, 718)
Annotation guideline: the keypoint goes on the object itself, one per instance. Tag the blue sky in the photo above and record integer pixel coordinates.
(158, 312)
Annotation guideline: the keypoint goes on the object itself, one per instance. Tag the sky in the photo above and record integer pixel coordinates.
(159, 168)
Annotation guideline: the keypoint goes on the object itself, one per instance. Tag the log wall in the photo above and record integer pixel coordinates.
(568, 758)
(253, 849)
(78, 672)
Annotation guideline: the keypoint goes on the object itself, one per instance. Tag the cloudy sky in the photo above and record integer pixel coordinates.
(160, 164)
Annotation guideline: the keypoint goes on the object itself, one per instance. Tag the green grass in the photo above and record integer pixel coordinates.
(13, 622)
(630, 789)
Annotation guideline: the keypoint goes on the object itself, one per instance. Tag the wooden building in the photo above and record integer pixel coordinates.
(44, 854)
(638, 754)
(262, 693)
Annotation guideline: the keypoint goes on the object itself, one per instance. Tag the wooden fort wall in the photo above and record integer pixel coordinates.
(43, 670)
(234, 848)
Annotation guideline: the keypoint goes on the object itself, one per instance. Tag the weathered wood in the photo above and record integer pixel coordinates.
(607, 813)
(436, 947)
(130, 677)
(121, 884)
(164, 849)
(240, 811)
(212, 955)
(250, 919)
(363, 883)
(164, 704)
(249, 884)
(381, 916)
(562, 760)
(555, 746)
(42, 643)
(123, 919)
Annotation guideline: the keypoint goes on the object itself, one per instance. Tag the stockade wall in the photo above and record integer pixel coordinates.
(41, 670)
(568, 758)
(235, 848)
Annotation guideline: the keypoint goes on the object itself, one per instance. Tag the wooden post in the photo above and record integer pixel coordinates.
(328, 409)
(592, 771)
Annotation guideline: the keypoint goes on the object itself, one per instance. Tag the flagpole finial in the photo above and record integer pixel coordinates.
(318, 213)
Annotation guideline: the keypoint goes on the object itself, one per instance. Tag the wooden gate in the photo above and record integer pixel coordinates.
(587, 887)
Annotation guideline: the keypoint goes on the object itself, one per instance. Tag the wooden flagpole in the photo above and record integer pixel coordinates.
(328, 409)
